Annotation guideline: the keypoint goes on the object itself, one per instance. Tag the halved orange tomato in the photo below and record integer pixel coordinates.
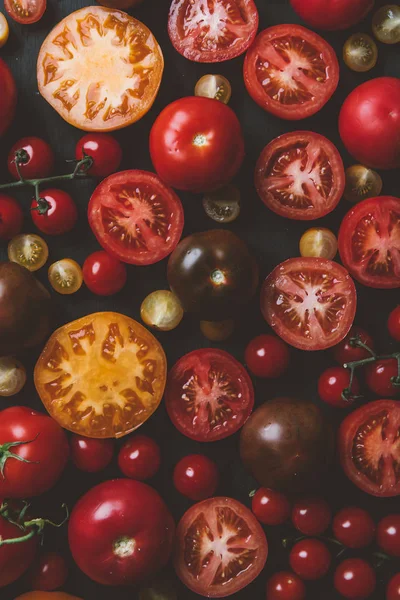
(100, 69)
(102, 375)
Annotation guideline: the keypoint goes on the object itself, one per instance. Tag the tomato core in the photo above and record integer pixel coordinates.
(200, 140)
(124, 547)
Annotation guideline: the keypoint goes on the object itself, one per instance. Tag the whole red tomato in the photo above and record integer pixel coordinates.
(196, 144)
(8, 96)
(120, 532)
(332, 14)
(55, 213)
(16, 558)
(33, 452)
(11, 217)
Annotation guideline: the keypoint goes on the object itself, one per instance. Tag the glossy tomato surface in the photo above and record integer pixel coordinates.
(8, 98)
(15, 559)
(34, 156)
(332, 14)
(55, 212)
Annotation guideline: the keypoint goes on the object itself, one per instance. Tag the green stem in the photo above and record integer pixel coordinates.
(18, 540)
(6, 453)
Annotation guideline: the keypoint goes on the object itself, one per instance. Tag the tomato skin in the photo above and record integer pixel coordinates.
(394, 323)
(331, 385)
(40, 162)
(393, 588)
(35, 11)
(369, 123)
(285, 586)
(311, 516)
(139, 457)
(90, 454)
(388, 535)
(267, 356)
(49, 572)
(11, 217)
(103, 274)
(104, 149)
(270, 507)
(355, 579)
(340, 14)
(47, 596)
(8, 97)
(61, 215)
(310, 559)
(354, 527)
(344, 352)
(47, 452)
(379, 377)
(15, 559)
(196, 477)
(196, 144)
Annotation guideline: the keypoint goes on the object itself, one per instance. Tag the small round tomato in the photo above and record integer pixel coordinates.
(223, 204)
(362, 183)
(209, 395)
(353, 527)
(348, 350)
(311, 516)
(355, 579)
(135, 217)
(12, 376)
(388, 535)
(25, 12)
(28, 250)
(161, 310)
(292, 190)
(309, 302)
(15, 559)
(267, 356)
(65, 276)
(4, 30)
(105, 150)
(11, 217)
(90, 454)
(214, 86)
(103, 274)
(49, 572)
(394, 323)
(291, 71)
(360, 53)
(318, 242)
(34, 157)
(55, 212)
(369, 123)
(139, 457)
(393, 588)
(340, 14)
(196, 477)
(220, 547)
(196, 144)
(204, 34)
(310, 559)
(382, 377)
(333, 387)
(270, 507)
(285, 586)
(8, 97)
(385, 24)
(368, 447)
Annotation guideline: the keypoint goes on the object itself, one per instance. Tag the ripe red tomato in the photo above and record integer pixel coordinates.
(220, 547)
(311, 516)
(270, 507)
(49, 572)
(267, 356)
(368, 447)
(309, 302)
(291, 71)
(55, 213)
(347, 351)
(382, 378)
(35, 157)
(369, 242)
(394, 323)
(135, 217)
(8, 97)
(285, 586)
(212, 33)
(120, 532)
(393, 588)
(104, 149)
(209, 395)
(196, 477)
(103, 274)
(196, 144)
(36, 438)
(334, 383)
(139, 457)
(310, 559)
(354, 527)
(388, 535)
(25, 12)
(300, 176)
(11, 217)
(91, 454)
(337, 14)
(369, 123)
(15, 559)
(355, 579)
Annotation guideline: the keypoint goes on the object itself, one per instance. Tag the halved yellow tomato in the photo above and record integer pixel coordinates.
(101, 376)
(100, 69)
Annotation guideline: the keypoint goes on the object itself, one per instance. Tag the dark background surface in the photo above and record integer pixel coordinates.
(273, 239)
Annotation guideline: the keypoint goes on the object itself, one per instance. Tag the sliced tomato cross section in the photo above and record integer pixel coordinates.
(135, 217)
(209, 395)
(100, 69)
(300, 175)
(221, 548)
(309, 302)
(212, 30)
(369, 242)
(291, 71)
(101, 376)
(25, 12)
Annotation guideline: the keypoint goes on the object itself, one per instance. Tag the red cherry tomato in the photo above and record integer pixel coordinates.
(120, 532)
(104, 149)
(196, 477)
(311, 516)
(355, 579)
(333, 387)
(49, 572)
(25, 12)
(8, 97)
(291, 71)
(15, 559)
(35, 157)
(11, 217)
(103, 274)
(354, 527)
(270, 507)
(55, 213)
(369, 123)
(91, 454)
(347, 351)
(285, 586)
(267, 356)
(196, 144)
(388, 535)
(209, 35)
(382, 378)
(339, 14)
(139, 457)
(394, 323)
(310, 559)
(393, 588)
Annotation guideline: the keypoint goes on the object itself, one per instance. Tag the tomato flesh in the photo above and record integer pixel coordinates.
(25, 12)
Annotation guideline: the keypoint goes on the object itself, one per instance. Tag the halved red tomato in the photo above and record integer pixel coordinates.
(25, 12)
(291, 71)
(211, 31)
(220, 548)
(309, 302)
(209, 395)
(369, 447)
(300, 176)
(8, 96)
(135, 217)
(369, 242)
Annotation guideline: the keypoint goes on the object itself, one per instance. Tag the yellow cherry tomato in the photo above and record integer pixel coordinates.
(360, 53)
(319, 242)
(223, 205)
(65, 276)
(28, 250)
(12, 376)
(214, 86)
(386, 24)
(161, 310)
(4, 30)
(362, 183)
